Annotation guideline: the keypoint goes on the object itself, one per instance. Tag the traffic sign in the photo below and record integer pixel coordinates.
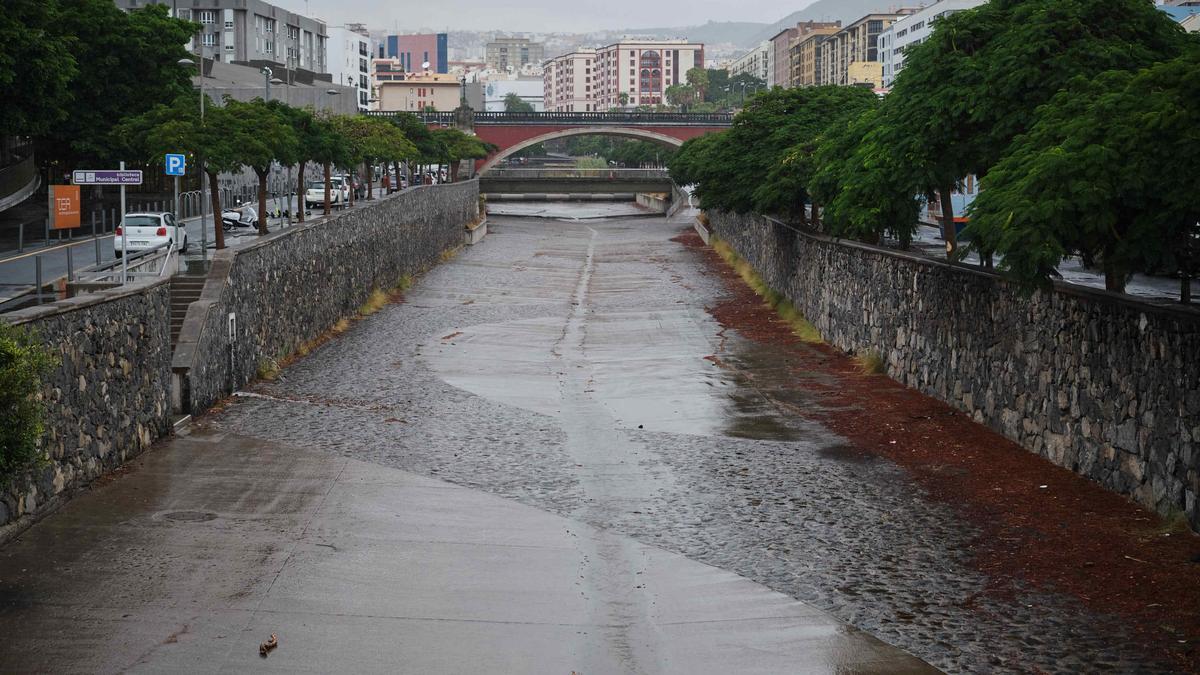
(176, 164)
(107, 177)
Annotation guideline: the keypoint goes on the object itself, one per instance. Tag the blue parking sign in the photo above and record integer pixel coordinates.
(176, 164)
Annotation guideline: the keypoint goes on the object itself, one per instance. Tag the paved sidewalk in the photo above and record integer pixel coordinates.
(212, 542)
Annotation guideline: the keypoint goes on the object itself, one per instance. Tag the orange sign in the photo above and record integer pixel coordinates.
(64, 207)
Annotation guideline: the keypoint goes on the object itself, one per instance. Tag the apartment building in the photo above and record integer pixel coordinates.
(804, 54)
(913, 30)
(567, 82)
(756, 63)
(254, 32)
(623, 74)
(851, 55)
(349, 58)
(413, 51)
(513, 54)
(417, 92)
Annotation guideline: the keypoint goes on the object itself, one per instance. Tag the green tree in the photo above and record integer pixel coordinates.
(975, 84)
(459, 146)
(513, 103)
(763, 163)
(23, 362)
(373, 139)
(856, 179)
(1107, 172)
(177, 127)
(265, 136)
(36, 67)
(697, 79)
(328, 147)
(125, 64)
(718, 82)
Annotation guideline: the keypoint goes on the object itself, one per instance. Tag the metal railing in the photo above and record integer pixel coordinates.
(593, 174)
(623, 118)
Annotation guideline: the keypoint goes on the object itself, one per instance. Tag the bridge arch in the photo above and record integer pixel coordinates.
(624, 132)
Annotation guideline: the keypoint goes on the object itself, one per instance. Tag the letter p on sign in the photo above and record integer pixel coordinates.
(176, 164)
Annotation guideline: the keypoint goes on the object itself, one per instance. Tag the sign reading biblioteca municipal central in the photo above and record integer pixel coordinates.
(107, 177)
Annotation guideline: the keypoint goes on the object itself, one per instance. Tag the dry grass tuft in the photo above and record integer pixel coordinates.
(800, 326)
(871, 362)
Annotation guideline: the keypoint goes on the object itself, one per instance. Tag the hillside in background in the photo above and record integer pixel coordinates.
(845, 11)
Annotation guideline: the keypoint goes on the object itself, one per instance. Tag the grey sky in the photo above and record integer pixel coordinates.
(540, 15)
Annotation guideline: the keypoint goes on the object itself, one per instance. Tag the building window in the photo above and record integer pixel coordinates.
(210, 39)
(208, 16)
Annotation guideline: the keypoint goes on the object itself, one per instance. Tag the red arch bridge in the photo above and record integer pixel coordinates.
(512, 132)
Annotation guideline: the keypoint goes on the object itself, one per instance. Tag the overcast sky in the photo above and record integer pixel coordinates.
(540, 15)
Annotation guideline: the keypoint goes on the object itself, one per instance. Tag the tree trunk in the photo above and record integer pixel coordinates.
(215, 198)
(262, 201)
(945, 196)
(396, 167)
(454, 171)
(370, 174)
(299, 194)
(328, 187)
(1185, 288)
(803, 214)
(1114, 279)
(816, 215)
(350, 177)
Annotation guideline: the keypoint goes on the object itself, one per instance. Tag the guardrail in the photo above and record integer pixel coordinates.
(581, 118)
(599, 174)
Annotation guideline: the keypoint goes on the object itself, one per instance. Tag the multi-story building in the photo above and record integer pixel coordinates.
(349, 59)
(756, 63)
(417, 92)
(413, 51)
(513, 54)
(851, 55)
(913, 30)
(496, 92)
(567, 82)
(804, 56)
(639, 72)
(253, 32)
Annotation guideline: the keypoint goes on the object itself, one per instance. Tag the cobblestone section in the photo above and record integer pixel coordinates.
(293, 286)
(1103, 385)
(107, 400)
(487, 376)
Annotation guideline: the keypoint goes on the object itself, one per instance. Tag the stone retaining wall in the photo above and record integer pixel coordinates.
(262, 301)
(107, 400)
(1094, 381)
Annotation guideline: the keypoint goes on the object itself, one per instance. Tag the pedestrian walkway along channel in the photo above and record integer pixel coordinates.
(649, 480)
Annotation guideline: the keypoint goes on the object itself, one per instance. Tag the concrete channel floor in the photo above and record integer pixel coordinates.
(212, 542)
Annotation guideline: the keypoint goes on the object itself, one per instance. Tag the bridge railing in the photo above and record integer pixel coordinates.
(581, 118)
(593, 174)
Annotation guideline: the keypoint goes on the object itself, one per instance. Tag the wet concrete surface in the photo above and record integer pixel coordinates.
(588, 210)
(571, 358)
(215, 542)
(571, 366)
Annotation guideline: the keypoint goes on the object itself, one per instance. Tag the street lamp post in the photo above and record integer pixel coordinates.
(203, 173)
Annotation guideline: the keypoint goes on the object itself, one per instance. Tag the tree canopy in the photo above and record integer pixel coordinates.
(514, 103)
(1107, 172)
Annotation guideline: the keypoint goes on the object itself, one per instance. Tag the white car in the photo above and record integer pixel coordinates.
(142, 231)
(314, 195)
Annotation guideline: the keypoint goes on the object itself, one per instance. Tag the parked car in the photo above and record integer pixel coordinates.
(339, 193)
(142, 231)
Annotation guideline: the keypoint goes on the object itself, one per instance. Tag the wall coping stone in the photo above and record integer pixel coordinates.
(82, 301)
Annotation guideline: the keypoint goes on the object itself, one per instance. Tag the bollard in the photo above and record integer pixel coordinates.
(70, 264)
(21, 238)
(97, 240)
(47, 239)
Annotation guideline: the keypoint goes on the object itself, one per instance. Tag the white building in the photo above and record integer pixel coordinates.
(349, 61)
(567, 82)
(756, 63)
(530, 90)
(912, 30)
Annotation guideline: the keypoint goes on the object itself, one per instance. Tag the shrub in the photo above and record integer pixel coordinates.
(23, 362)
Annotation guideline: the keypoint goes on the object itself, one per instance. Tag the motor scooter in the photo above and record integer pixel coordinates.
(239, 216)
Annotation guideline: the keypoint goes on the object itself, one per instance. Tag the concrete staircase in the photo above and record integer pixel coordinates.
(185, 290)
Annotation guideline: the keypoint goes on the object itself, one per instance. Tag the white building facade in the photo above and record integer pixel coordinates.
(530, 91)
(567, 82)
(349, 58)
(756, 63)
(913, 30)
